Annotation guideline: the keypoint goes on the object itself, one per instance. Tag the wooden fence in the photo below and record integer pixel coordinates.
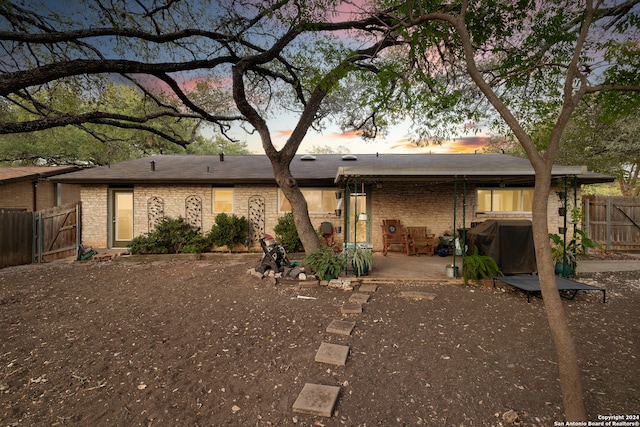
(43, 236)
(614, 222)
(16, 238)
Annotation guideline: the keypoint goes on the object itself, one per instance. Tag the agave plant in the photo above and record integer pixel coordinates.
(361, 260)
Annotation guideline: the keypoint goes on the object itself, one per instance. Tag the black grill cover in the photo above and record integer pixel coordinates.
(508, 242)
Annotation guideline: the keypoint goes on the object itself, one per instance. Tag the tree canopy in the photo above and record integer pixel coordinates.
(100, 144)
(606, 144)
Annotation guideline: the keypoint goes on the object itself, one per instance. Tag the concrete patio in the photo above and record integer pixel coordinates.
(396, 266)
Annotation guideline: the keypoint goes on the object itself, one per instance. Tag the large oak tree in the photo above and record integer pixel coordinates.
(266, 56)
(523, 66)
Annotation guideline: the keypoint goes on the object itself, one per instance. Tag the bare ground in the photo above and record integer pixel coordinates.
(200, 342)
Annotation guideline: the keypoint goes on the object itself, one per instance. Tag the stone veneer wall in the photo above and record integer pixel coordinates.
(94, 215)
(95, 208)
(414, 204)
(431, 205)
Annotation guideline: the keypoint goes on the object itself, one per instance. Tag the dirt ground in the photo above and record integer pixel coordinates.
(184, 342)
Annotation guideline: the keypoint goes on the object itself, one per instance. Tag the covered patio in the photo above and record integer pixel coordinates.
(441, 193)
(398, 267)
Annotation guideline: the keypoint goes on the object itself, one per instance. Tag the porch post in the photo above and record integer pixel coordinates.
(464, 218)
(455, 205)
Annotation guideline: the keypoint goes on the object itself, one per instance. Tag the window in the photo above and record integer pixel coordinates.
(505, 200)
(318, 200)
(223, 200)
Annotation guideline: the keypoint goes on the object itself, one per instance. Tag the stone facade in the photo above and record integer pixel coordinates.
(95, 208)
(413, 204)
(94, 215)
(432, 206)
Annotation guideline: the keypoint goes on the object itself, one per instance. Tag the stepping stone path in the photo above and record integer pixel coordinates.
(359, 298)
(351, 308)
(418, 295)
(341, 327)
(333, 354)
(317, 399)
(368, 287)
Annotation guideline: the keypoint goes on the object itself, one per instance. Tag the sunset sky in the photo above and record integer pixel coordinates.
(396, 141)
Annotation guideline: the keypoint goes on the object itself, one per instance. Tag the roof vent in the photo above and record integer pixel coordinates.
(308, 158)
(153, 165)
(349, 157)
(221, 157)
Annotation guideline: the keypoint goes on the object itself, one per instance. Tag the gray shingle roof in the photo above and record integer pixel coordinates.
(323, 170)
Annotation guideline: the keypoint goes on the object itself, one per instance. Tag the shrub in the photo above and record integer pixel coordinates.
(287, 233)
(477, 267)
(229, 231)
(171, 236)
(325, 263)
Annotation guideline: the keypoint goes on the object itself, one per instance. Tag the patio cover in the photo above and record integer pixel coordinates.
(508, 242)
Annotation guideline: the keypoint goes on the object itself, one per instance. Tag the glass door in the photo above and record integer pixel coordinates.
(357, 220)
(121, 218)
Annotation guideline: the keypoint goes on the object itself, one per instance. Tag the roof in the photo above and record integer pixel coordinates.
(320, 169)
(25, 173)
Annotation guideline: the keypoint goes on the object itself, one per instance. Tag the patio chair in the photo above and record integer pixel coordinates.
(392, 234)
(420, 241)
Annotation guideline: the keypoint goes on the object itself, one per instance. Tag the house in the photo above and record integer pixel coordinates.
(29, 188)
(439, 191)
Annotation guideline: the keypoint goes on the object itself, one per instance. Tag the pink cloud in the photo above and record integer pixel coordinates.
(461, 145)
(283, 134)
(350, 134)
(187, 85)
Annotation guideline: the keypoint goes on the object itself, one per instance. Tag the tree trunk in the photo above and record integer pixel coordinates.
(289, 187)
(568, 370)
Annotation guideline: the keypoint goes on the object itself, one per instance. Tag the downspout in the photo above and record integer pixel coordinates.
(35, 195)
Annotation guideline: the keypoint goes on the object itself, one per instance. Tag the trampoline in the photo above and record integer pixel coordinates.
(531, 285)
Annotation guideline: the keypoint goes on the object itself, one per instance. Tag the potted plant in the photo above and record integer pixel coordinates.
(361, 260)
(565, 254)
(326, 263)
(477, 267)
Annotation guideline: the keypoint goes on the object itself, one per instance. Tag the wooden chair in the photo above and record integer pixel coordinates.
(392, 234)
(420, 241)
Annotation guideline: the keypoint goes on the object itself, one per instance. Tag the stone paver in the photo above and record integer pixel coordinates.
(359, 298)
(368, 287)
(342, 327)
(316, 399)
(351, 308)
(418, 295)
(333, 354)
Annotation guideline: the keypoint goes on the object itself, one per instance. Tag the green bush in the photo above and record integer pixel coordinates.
(287, 233)
(171, 236)
(229, 231)
(477, 267)
(325, 263)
